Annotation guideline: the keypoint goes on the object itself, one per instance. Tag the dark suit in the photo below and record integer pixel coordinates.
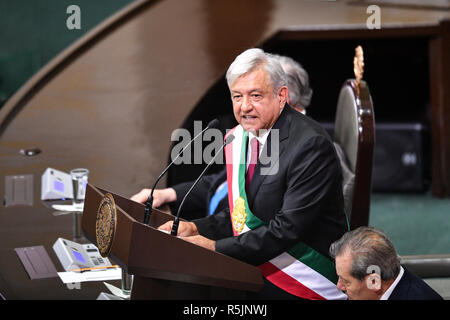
(200, 197)
(302, 202)
(411, 287)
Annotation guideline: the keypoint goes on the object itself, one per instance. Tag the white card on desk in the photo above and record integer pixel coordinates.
(74, 277)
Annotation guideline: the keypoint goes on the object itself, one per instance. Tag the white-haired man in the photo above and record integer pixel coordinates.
(215, 186)
(284, 213)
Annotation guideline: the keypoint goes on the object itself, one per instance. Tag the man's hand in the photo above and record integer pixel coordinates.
(160, 196)
(202, 241)
(189, 232)
(185, 229)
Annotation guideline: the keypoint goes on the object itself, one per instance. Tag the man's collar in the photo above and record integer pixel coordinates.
(261, 139)
(391, 288)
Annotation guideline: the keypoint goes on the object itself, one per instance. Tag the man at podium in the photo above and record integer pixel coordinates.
(214, 186)
(284, 188)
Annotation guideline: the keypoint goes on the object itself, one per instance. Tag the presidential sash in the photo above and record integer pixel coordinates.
(301, 271)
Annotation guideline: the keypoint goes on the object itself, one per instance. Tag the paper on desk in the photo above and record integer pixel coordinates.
(68, 207)
(74, 277)
(116, 291)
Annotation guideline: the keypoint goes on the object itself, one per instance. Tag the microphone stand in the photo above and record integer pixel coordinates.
(176, 221)
(149, 203)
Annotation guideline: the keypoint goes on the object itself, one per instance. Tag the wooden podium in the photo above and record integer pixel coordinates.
(165, 267)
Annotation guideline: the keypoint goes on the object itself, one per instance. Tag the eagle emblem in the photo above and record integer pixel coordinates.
(239, 215)
(105, 225)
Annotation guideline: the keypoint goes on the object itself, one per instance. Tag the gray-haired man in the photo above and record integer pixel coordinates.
(369, 268)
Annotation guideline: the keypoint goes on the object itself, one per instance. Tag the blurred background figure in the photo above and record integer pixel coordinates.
(300, 93)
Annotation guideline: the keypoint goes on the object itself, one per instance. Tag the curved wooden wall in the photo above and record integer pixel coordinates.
(111, 101)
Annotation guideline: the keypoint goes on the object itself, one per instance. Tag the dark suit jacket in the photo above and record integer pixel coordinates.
(303, 201)
(197, 204)
(411, 287)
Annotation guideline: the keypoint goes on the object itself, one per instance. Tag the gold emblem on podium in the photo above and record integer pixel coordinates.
(239, 215)
(105, 225)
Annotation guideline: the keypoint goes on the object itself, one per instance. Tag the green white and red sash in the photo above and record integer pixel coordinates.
(301, 271)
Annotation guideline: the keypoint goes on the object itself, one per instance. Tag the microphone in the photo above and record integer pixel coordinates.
(176, 221)
(149, 203)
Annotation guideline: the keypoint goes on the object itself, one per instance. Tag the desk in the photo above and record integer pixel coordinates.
(32, 226)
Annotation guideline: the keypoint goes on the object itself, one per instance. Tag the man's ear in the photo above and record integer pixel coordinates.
(283, 95)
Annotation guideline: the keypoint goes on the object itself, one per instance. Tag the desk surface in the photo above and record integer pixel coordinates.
(26, 226)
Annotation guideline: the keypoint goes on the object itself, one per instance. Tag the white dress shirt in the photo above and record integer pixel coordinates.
(388, 292)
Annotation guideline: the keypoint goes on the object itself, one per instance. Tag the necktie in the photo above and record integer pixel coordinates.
(254, 145)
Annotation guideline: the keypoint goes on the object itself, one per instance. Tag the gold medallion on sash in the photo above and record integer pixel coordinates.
(239, 215)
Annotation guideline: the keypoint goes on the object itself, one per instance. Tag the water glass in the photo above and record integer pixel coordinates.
(79, 181)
